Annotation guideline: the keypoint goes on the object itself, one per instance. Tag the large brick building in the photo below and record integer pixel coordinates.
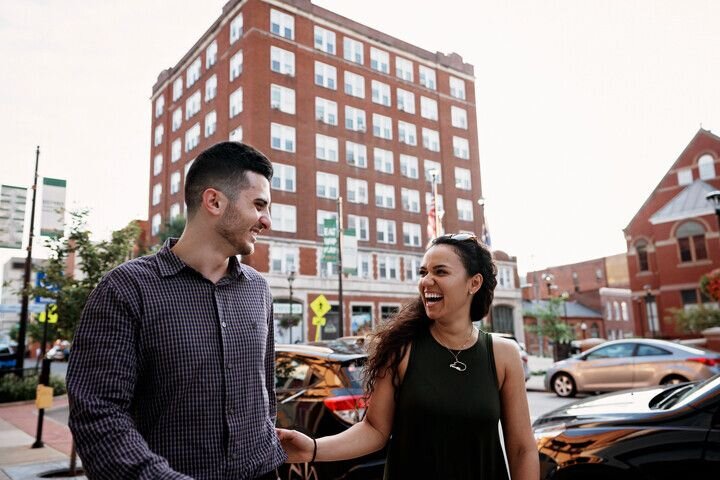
(673, 238)
(342, 110)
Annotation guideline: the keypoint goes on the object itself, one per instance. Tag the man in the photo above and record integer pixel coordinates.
(172, 371)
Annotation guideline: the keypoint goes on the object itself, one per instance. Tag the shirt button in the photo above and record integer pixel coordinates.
(228, 366)
(230, 411)
(223, 324)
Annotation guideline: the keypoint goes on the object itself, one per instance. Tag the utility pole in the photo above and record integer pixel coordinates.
(341, 321)
(22, 332)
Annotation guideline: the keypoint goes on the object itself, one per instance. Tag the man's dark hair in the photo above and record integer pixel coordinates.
(223, 167)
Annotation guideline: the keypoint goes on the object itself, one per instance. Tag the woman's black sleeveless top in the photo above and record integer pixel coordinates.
(446, 421)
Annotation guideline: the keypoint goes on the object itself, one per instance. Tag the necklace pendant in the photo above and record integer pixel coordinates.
(458, 365)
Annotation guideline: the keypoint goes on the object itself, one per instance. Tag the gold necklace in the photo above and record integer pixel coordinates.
(457, 364)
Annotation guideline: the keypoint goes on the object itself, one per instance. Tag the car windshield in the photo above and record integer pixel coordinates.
(354, 373)
(673, 396)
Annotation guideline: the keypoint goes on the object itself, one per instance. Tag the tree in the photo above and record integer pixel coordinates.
(695, 319)
(70, 289)
(173, 228)
(550, 325)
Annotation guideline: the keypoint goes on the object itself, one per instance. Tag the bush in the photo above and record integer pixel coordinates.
(15, 389)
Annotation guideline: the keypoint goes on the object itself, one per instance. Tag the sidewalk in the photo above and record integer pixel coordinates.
(536, 383)
(18, 425)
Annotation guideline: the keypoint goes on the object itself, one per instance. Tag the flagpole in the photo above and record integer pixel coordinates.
(435, 199)
(341, 321)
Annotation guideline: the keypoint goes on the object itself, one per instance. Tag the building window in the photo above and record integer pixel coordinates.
(410, 200)
(462, 179)
(385, 230)
(192, 137)
(211, 54)
(327, 185)
(236, 65)
(177, 88)
(361, 225)
(282, 98)
(177, 119)
(691, 242)
(382, 126)
(174, 210)
(156, 223)
(380, 93)
(282, 24)
(236, 28)
(282, 61)
(283, 177)
(685, 176)
(210, 124)
(192, 74)
(325, 40)
(388, 311)
(624, 311)
(384, 196)
(461, 147)
(363, 271)
(465, 210)
(159, 130)
(211, 88)
(325, 75)
(689, 298)
(353, 50)
(236, 135)
(411, 234)
(408, 166)
(383, 160)
(357, 190)
(431, 139)
(192, 105)
(407, 133)
(505, 277)
(427, 77)
(379, 60)
(157, 164)
(642, 256)
(428, 108)
(176, 150)
(174, 183)
(283, 259)
(457, 88)
(354, 119)
(159, 106)
(404, 69)
(323, 215)
(236, 102)
(354, 84)
(283, 217)
(388, 267)
(282, 137)
(326, 148)
(405, 101)
(156, 194)
(706, 166)
(356, 154)
(326, 111)
(412, 266)
(431, 167)
(459, 117)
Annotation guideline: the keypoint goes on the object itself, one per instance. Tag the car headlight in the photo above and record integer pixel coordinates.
(550, 431)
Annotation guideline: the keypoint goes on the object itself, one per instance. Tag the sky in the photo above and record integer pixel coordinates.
(582, 105)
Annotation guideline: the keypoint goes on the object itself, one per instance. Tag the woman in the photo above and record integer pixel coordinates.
(437, 385)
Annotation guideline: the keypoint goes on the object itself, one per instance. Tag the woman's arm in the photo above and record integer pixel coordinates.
(519, 441)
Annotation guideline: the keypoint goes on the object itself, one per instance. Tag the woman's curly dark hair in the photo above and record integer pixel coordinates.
(390, 340)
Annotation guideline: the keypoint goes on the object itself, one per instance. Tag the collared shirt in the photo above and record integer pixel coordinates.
(172, 376)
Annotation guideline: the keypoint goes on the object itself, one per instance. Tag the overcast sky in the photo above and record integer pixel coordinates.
(582, 104)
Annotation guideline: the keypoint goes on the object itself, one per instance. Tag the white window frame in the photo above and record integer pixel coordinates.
(282, 137)
(356, 154)
(283, 259)
(156, 224)
(412, 267)
(157, 164)
(174, 183)
(321, 216)
(177, 88)
(236, 28)
(284, 217)
(407, 133)
(325, 40)
(236, 65)
(236, 102)
(361, 224)
(326, 111)
(409, 166)
(382, 126)
(428, 167)
(354, 84)
(211, 88)
(282, 61)
(431, 139)
(706, 167)
(384, 196)
(461, 147)
(282, 24)
(236, 134)
(176, 150)
(353, 50)
(211, 54)
(457, 88)
(284, 177)
(385, 230)
(177, 119)
(192, 137)
(192, 74)
(327, 185)
(282, 98)
(428, 108)
(458, 117)
(326, 148)
(159, 132)
(357, 190)
(156, 194)
(383, 160)
(379, 60)
(210, 124)
(428, 77)
(193, 104)
(404, 69)
(380, 93)
(159, 105)
(390, 265)
(325, 75)
(463, 178)
(412, 236)
(174, 210)
(465, 210)
(355, 119)
(405, 100)
(410, 199)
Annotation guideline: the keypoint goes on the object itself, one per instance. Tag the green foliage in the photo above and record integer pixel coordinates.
(550, 324)
(695, 319)
(15, 389)
(173, 228)
(93, 260)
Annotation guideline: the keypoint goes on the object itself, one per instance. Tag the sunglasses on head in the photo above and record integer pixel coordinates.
(458, 237)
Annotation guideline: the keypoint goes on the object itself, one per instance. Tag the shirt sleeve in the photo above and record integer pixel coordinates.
(101, 380)
(270, 363)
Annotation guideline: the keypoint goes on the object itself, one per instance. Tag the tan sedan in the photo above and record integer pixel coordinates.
(630, 363)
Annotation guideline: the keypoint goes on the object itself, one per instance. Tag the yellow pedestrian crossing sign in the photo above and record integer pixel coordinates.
(320, 305)
(51, 313)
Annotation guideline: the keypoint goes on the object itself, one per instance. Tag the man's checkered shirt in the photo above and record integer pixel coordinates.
(172, 376)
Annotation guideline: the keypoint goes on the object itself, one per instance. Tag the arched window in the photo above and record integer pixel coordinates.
(691, 242)
(642, 256)
(706, 166)
(595, 331)
(502, 319)
(624, 310)
(616, 306)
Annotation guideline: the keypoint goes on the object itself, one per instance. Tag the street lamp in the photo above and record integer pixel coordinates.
(565, 297)
(291, 279)
(549, 279)
(583, 327)
(649, 309)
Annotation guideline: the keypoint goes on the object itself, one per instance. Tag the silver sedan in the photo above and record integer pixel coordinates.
(630, 363)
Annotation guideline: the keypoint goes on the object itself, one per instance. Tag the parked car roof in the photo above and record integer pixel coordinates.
(332, 350)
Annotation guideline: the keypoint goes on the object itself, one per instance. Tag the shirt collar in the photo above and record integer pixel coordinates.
(170, 264)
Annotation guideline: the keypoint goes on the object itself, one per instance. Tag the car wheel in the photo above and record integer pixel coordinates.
(300, 471)
(563, 385)
(673, 380)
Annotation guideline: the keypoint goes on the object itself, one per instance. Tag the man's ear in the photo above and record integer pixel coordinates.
(213, 201)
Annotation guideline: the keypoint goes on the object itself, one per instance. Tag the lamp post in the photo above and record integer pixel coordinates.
(291, 279)
(565, 297)
(583, 327)
(650, 309)
(714, 198)
(549, 279)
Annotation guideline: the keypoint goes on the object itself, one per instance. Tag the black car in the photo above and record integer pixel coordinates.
(319, 393)
(656, 433)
